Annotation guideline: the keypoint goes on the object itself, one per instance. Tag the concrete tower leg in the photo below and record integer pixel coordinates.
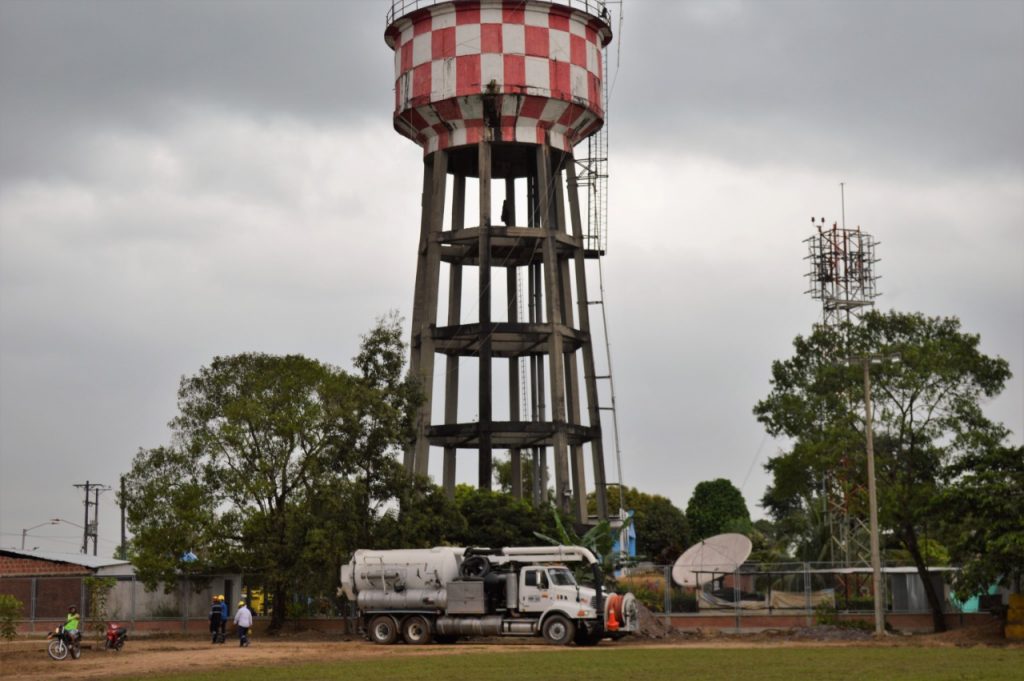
(424, 314)
(554, 337)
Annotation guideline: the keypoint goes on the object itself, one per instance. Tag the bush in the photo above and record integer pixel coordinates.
(649, 589)
(10, 612)
(98, 589)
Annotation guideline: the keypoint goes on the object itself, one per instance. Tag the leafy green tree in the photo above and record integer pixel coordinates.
(279, 467)
(496, 519)
(503, 476)
(983, 507)
(714, 507)
(927, 414)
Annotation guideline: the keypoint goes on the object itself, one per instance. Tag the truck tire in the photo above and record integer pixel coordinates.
(416, 630)
(383, 630)
(558, 630)
(587, 637)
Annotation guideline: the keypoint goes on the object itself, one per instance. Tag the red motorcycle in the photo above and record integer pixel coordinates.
(116, 635)
(63, 642)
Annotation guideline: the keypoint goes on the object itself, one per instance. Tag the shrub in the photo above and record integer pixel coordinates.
(10, 612)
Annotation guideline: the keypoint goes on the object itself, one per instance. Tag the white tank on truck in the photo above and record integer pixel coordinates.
(443, 593)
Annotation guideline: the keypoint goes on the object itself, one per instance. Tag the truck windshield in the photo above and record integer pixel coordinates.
(561, 577)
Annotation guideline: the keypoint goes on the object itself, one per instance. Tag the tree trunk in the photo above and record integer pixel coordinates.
(279, 607)
(909, 537)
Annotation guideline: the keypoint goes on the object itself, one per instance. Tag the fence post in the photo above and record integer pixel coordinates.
(736, 593)
(184, 606)
(32, 608)
(668, 589)
(807, 593)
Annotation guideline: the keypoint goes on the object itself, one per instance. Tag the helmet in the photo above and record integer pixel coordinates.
(241, 603)
(220, 597)
(72, 608)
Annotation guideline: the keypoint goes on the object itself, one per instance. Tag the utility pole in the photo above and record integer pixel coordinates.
(85, 523)
(124, 540)
(91, 529)
(876, 559)
(876, 562)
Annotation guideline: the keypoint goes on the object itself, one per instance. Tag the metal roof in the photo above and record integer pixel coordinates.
(85, 560)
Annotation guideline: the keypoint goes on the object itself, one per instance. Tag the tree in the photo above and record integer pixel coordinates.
(496, 519)
(715, 507)
(279, 466)
(927, 414)
(662, 530)
(985, 519)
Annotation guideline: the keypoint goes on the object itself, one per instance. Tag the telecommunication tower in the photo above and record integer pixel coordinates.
(842, 275)
(498, 94)
(842, 271)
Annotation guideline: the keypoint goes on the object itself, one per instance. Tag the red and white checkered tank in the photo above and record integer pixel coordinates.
(526, 69)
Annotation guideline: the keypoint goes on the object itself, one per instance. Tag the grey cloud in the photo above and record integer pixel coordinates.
(70, 69)
(877, 85)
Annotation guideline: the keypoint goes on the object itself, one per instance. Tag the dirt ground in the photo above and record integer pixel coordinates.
(149, 656)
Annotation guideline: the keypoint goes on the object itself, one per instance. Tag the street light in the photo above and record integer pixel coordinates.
(51, 521)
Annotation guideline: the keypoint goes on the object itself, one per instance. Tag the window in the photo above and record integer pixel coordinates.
(561, 577)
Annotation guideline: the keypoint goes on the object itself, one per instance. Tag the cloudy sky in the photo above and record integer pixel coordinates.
(180, 180)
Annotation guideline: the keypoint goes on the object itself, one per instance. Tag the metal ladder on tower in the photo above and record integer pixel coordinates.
(594, 177)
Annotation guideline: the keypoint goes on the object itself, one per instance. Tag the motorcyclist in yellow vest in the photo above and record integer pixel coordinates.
(73, 621)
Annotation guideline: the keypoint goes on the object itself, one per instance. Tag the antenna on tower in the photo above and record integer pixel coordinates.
(842, 201)
(842, 273)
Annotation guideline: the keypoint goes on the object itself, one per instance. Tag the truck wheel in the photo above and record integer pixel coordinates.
(416, 630)
(558, 630)
(383, 630)
(585, 637)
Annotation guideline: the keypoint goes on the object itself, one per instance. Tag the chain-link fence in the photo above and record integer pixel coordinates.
(787, 588)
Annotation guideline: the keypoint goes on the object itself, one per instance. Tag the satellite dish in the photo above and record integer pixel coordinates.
(720, 554)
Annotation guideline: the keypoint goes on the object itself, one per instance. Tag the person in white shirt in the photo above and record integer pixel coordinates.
(243, 620)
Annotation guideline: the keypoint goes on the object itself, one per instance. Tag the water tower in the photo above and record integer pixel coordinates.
(498, 94)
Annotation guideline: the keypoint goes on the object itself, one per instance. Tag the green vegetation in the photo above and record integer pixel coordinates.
(10, 611)
(655, 664)
(929, 432)
(98, 591)
(717, 506)
(279, 466)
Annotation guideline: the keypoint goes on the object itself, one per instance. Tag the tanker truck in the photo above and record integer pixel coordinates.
(444, 593)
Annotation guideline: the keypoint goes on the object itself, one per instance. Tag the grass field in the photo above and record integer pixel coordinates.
(658, 664)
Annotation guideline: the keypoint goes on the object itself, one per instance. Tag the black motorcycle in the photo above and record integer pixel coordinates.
(63, 642)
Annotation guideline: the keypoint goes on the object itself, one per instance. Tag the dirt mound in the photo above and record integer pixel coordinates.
(651, 626)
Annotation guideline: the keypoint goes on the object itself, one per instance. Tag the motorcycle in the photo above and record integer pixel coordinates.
(116, 636)
(63, 642)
